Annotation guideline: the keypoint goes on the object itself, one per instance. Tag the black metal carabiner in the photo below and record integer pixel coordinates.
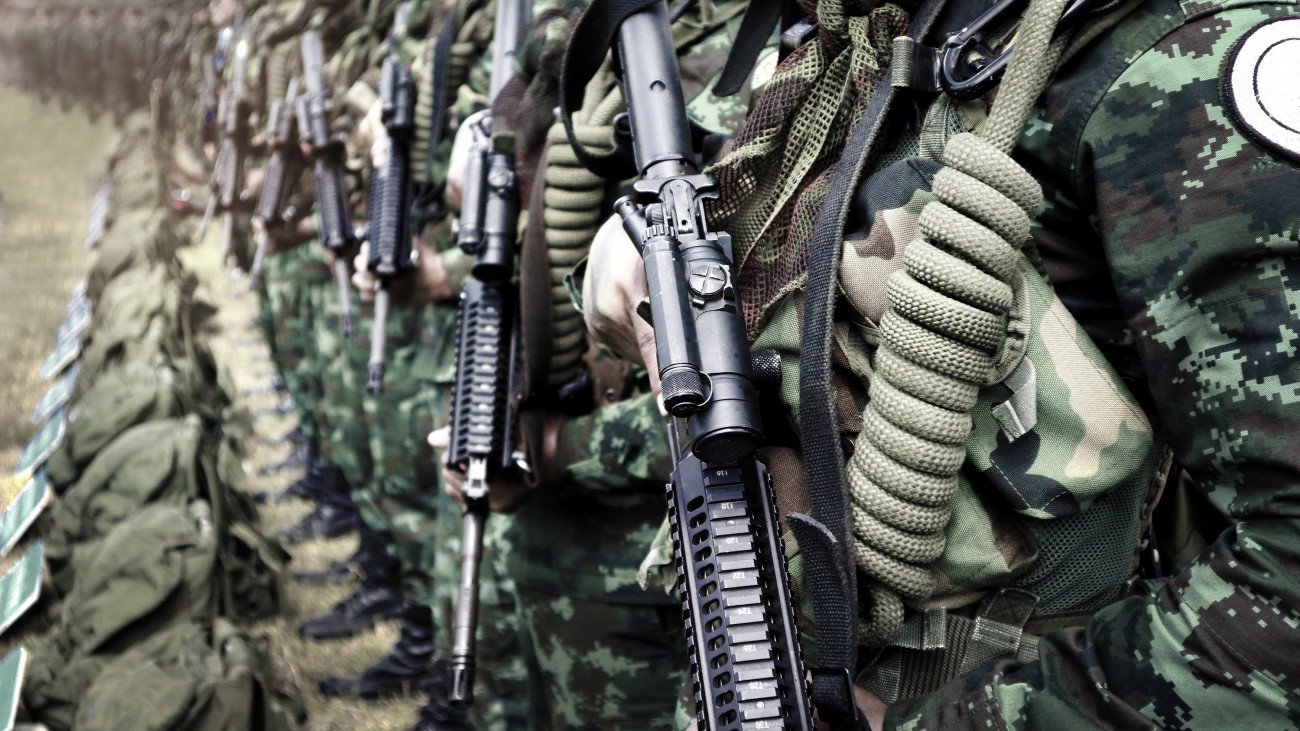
(964, 77)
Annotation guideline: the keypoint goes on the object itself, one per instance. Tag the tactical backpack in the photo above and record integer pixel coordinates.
(130, 652)
(175, 681)
(119, 399)
(999, 474)
(147, 313)
(170, 462)
(137, 236)
(152, 572)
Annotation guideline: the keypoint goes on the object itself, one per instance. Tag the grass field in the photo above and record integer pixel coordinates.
(50, 167)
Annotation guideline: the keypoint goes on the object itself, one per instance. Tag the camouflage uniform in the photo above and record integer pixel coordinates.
(603, 651)
(1175, 258)
(501, 697)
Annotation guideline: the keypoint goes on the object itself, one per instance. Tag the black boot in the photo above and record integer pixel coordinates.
(275, 386)
(407, 668)
(294, 435)
(302, 458)
(320, 479)
(338, 571)
(439, 714)
(379, 595)
(283, 407)
(335, 514)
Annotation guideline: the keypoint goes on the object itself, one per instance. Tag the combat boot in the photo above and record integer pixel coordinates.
(379, 595)
(294, 435)
(439, 714)
(343, 569)
(334, 515)
(408, 667)
(283, 407)
(321, 478)
(303, 457)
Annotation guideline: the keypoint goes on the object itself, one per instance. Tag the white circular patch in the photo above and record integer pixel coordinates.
(1263, 84)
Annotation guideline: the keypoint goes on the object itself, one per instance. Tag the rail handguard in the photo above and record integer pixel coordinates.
(334, 222)
(227, 180)
(732, 577)
(282, 170)
(390, 201)
(488, 344)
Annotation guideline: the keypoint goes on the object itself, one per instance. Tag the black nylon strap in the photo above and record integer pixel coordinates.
(827, 554)
(438, 88)
(438, 79)
(592, 38)
(760, 18)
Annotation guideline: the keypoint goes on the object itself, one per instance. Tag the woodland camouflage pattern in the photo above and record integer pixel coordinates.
(1184, 274)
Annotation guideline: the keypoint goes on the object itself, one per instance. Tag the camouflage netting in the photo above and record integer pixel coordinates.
(778, 169)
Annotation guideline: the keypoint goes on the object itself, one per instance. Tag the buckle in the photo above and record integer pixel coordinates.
(831, 687)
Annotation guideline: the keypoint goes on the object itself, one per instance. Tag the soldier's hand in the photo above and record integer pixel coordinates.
(611, 291)
(253, 182)
(370, 130)
(362, 278)
(455, 191)
(504, 496)
(428, 283)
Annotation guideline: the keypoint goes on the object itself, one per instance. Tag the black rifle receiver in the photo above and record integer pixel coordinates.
(272, 210)
(734, 585)
(488, 341)
(227, 181)
(390, 195)
(334, 222)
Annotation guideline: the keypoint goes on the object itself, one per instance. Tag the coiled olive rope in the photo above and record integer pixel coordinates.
(574, 211)
(940, 340)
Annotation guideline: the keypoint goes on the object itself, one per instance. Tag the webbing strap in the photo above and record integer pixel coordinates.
(438, 89)
(592, 38)
(438, 77)
(826, 551)
(760, 18)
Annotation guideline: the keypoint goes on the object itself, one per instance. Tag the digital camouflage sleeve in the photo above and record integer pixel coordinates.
(1172, 236)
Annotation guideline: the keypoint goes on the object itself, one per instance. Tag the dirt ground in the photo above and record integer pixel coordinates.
(50, 168)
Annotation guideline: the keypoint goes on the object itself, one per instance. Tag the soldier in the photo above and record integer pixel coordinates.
(602, 651)
(1172, 257)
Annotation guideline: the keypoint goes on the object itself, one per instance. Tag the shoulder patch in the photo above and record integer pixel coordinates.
(1262, 84)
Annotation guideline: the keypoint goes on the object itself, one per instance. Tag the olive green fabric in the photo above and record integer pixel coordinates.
(150, 573)
(171, 462)
(177, 681)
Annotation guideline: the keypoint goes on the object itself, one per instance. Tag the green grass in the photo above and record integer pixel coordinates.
(298, 662)
(50, 166)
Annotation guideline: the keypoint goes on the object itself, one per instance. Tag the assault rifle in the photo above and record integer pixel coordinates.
(487, 353)
(334, 223)
(731, 573)
(273, 210)
(227, 181)
(390, 195)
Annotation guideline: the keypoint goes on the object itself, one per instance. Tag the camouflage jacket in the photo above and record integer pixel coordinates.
(1170, 234)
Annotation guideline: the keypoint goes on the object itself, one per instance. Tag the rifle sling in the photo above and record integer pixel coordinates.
(760, 18)
(592, 38)
(823, 535)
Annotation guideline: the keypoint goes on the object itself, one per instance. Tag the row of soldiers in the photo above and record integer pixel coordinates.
(568, 636)
(1029, 433)
(107, 57)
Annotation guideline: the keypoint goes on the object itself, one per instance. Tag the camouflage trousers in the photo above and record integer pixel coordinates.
(341, 419)
(288, 281)
(406, 478)
(600, 665)
(501, 685)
